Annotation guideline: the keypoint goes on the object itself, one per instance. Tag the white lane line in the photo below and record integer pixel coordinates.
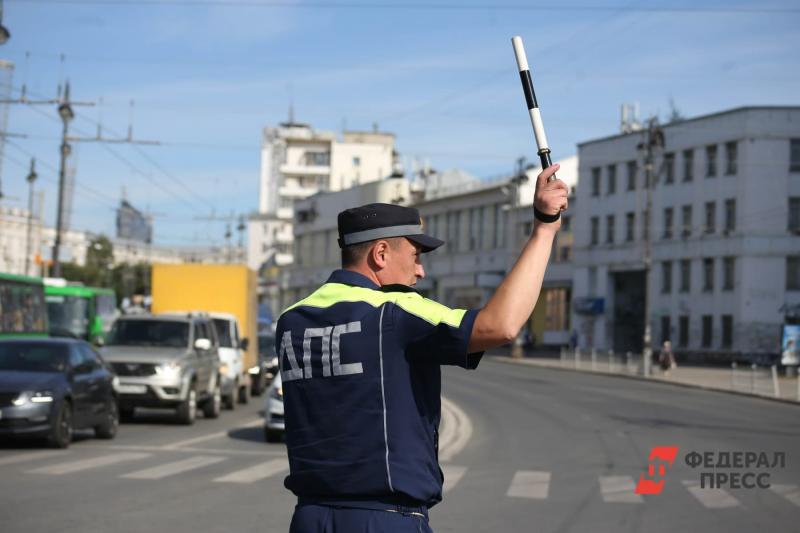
(177, 467)
(529, 484)
(29, 456)
(256, 473)
(211, 436)
(193, 450)
(456, 433)
(790, 492)
(711, 498)
(86, 464)
(619, 489)
(452, 475)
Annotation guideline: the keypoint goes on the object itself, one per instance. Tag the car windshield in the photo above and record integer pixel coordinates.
(26, 356)
(167, 333)
(223, 328)
(266, 345)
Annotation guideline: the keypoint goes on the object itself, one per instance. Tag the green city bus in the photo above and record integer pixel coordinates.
(22, 306)
(78, 311)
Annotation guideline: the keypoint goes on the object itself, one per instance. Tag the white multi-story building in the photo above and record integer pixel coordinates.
(297, 162)
(725, 235)
(14, 240)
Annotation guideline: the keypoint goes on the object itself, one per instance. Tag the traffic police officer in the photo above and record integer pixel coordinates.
(360, 363)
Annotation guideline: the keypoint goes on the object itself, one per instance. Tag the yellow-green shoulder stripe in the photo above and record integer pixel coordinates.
(433, 312)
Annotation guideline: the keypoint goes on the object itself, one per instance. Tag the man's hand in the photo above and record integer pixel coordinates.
(551, 196)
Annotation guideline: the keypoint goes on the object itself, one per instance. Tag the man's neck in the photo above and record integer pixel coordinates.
(366, 272)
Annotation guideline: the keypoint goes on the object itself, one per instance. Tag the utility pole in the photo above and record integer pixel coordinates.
(67, 115)
(652, 142)
(31, 178)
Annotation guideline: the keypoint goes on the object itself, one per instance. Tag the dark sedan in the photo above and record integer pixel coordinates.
(50, 387)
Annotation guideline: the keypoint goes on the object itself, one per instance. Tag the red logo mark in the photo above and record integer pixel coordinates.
(660, 458)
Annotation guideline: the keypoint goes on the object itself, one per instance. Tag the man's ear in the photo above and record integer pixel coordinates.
(379, 252)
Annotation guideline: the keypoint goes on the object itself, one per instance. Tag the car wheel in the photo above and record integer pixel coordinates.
(258, 384)
(244, 394)
(108, 429)
(213, 406)
(272, 435)
(61, 427)
(230, 399)
(186, 413)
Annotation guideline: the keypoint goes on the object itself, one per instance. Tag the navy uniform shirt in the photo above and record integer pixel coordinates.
(362, 381)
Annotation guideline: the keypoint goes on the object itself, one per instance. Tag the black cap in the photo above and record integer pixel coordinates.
(382, 221)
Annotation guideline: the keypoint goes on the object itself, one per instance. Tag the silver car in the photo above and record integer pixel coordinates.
(273, 411)
(167, 361)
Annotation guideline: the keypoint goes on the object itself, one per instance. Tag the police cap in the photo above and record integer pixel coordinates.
(382, 221)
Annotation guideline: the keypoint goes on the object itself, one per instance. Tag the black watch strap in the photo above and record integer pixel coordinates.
(544, 217)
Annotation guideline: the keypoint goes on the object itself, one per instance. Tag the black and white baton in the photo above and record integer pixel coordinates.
(533, 105)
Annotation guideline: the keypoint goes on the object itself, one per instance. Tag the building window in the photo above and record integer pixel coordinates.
(630, 224)
(730, 215)
(557, 310)
(592, 282)
(794, 155)
(708, 331)
(668, 211)
(688, 165)
(631, 175)
(793, 273)
(686, 275)
(669, 168)
(566, 253)
(708, 275)
(794, 214)
(683, 331)
(595, 237)
(612, 179)
(731, 156)
(665, 328)
(452, 231)
(565, 223)
(596, 181)
(356, 161)
(711, 161)
(728, 273)
(711, 217)
(686, 222)
(727, 331)
(666, 277)
(646, 223)
(610, 229)
(318, 158)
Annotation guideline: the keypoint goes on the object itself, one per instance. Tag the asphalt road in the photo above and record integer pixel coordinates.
(550, 451)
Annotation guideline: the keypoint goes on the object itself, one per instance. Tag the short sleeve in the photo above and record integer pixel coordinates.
(429, 329)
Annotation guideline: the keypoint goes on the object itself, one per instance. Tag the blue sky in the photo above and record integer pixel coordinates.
(440, 75)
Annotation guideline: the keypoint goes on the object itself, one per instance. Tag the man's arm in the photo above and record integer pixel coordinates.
(512, 303)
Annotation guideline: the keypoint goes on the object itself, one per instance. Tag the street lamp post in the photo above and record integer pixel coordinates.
(66, 114)
(31, 178)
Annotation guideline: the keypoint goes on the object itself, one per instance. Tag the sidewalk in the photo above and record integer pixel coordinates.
(742, 380)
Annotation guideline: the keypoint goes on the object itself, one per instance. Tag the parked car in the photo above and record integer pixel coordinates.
(273, 411)
(261, 375)
(232, 351)
(166, 361)
(50, 387)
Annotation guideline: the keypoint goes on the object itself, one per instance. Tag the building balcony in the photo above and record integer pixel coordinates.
(291, 169)
(297, 192)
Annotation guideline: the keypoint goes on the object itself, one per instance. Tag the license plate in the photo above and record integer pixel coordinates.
(132, 389)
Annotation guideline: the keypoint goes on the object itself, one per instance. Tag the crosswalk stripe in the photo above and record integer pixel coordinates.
(619, 489)
(176, 467)
(86, 464)
(790, 492)
(452, 475)
(529, 484)
(711, 498)
(29, 456)
(256, 473)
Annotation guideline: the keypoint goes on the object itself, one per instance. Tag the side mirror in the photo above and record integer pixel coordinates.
(244, 343)
(83, 368)
(202, 344)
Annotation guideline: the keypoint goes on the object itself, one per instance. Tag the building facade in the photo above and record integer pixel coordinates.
(725, 235)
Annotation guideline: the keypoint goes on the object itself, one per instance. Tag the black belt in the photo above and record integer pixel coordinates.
(394, 504)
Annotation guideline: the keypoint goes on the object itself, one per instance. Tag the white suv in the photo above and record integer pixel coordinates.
(235, 378)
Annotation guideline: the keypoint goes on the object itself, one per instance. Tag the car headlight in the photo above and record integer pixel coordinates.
(223, 368)
(168, 369)
(276, 393)
(274, 362)
(33, 397)
(115, 383)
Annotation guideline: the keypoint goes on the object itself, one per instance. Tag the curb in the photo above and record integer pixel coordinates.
(508, 360)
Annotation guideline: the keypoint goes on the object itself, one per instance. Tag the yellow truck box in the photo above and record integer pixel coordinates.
(212, 288)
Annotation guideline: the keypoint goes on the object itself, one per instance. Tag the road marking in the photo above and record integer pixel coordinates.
(194, 450)
(619, 489)
(86, 464)
(256, 473)
(529, 484)
(452, 475)
(711, 498)
(211, 436)
(30, 456)
(790, 492)
(177, 467)
(456, 431)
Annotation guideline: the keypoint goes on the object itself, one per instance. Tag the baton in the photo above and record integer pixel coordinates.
(533, 105)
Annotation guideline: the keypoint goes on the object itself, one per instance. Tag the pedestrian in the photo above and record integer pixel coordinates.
(360, 362)
(666, 359)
